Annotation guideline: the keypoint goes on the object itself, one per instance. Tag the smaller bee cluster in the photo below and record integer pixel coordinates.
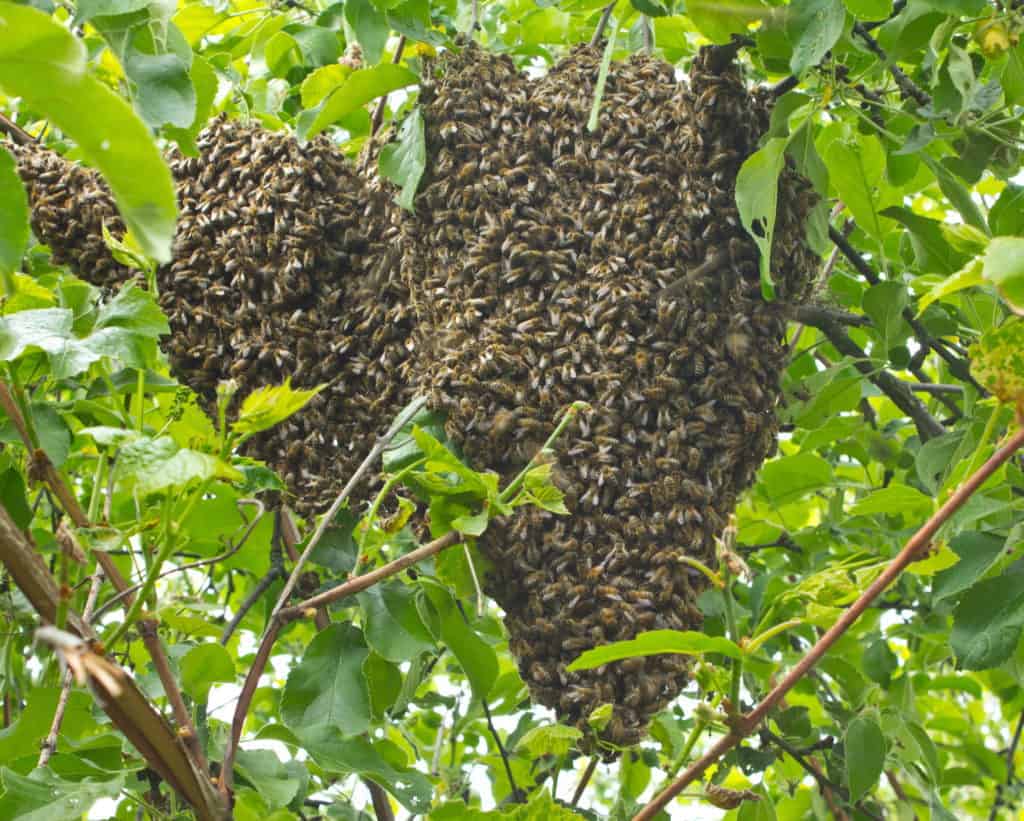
(549, 264)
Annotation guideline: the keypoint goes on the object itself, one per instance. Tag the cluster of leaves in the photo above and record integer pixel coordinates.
(906, 113)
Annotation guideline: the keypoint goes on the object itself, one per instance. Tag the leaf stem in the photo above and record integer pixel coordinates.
(509, 492)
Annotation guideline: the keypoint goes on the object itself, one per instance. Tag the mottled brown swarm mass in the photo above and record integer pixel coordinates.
(544, 264)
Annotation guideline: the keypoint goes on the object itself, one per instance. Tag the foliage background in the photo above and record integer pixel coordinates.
(907, 117)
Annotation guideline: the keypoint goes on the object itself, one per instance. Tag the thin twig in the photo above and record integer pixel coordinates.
(814, 315)
(263, 652)
(928, 427)
(934, 388)
(15, 131)
(128, 591)
(1011, 753)
(584, 780)
(474, 22)
(907, 86)
(602, 24)
(381, 804)
(745, 725)
(378, 112)
(50, 743)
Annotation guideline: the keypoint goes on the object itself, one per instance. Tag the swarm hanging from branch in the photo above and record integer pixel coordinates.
(544, 264)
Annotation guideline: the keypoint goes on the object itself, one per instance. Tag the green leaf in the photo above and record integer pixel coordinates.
(549, 739)
(318, 84)
(370, 27)
(266, 407)
(204, 80)
(43, 796)
(202, 667)
(879, 662)
(13, 216)
(894, 499)
(865, 755)
(884, 303)
(719, 23)
(956, 192)
(85, 10)
(813, 26)
(403, 450)
(150, 465)
(978, 552)
(476, 657)
(968, 277)
(164, 91)
(854, 171)
(757, 196)
(988, 621)
(790, 477)
(393, 625)
(384, 683)
(359, 88)
(1003, 266)
(377, 761)
(136, 310)
(870, 9)
(1007, 214)
(997, 361)
(654, 642)
(404, 162)
(932, 250)
(277, 782)
(326, 690)
(14, 499)
(45, 64)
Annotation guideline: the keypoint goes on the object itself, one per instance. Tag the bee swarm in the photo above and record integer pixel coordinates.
(544, 264)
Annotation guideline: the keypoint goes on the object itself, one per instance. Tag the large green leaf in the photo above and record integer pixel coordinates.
(13, 216)
(894, 499)
(654, 642)
(814, 26)
(865, 755)
(403, 162)
(790, 477)
(476, 656)
(355, 91)
(327, 690)
(856, 170)
(43, 796)
(46, 65)
(757, 197)
(202, 667)
(988, 621)
(1003, 266)
(977, 552)
(151, 465)
(393, 624)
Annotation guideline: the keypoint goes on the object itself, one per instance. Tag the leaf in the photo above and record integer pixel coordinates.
(13, 216)
(403, 450)
(997, 361)
(393, 625)
(957, 193)
(987, 623)
(204, 81)
(865, 755)
(978, 552)
(14, 499)
(790, 477)
(967, 277)
(318, 84)
(932, 250)
(85, 10)
(854, 171)
(370, 28)
(266, 407)
(894, 499)
(404, 162)
(43, 796)
(1003, 266)
(164, 91)
(359, 88)
(476, 657)
(654, 642)
(879, 662)
(719, 22)
(870, 9)
(45, 64)
(136, 310)
(150, 465)
(376, 761)
(884, 303)
(814, 26)
(757, 196)
(384, 682)
(278, 782)
(202, 667)
(326, 691)
(1007, 213)
(549, 739)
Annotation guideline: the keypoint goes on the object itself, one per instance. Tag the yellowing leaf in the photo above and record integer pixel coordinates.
(967, 277)
(267, 407)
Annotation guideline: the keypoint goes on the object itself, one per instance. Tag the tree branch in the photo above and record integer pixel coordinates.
(277, 620)
(906, 85)
(1011, 753)
(18, 134)
(745, 725)
(927, 425)
(602, 24)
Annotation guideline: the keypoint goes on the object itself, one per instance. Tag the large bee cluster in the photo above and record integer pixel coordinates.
(544, 264)
(280, 269)
(550, 264)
